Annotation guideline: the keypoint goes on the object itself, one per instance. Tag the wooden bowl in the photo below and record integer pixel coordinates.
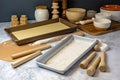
(75, 14)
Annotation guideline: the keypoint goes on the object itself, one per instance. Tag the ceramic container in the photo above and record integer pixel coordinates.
(114, 10)
(103, 15)
(101, 24)
(41, 13)
(75, 14)
(91, 13)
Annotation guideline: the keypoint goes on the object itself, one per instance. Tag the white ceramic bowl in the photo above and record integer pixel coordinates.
(114, 10)
(103, 15)
(101, 24)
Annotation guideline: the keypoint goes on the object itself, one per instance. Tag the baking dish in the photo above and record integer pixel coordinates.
(66, 53)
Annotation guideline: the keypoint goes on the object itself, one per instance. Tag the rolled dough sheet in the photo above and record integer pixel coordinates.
(27, 33)
(67, 55)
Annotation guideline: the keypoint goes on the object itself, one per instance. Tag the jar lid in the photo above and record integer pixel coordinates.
(41, 7)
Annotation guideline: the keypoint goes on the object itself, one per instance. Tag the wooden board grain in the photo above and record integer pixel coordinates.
(8, 48)
(90, 29)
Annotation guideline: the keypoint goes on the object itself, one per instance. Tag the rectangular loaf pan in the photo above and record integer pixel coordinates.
(66, 53)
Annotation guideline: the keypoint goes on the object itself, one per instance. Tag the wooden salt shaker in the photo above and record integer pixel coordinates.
(14, 21)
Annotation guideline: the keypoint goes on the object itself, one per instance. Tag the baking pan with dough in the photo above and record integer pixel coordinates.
(40, 30)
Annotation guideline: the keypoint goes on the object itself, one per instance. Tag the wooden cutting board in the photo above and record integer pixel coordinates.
(89, 28)
(9, 48)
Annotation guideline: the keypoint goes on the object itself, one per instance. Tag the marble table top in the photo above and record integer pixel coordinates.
(30, 70)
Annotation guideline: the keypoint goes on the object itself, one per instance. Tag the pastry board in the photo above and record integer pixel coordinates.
(40, 30)
(8, 48)
(89, 28)
(64, 55)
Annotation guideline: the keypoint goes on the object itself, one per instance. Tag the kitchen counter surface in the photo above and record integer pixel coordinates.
(30, 70)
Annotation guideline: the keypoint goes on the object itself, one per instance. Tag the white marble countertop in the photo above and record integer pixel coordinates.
(30, 70)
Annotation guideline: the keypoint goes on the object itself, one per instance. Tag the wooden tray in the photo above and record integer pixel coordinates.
(89, 28)
(31, 29)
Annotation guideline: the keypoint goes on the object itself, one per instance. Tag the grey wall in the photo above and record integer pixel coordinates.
(9, 7)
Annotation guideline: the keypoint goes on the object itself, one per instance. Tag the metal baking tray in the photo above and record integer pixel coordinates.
(66, 53)
(23, 30)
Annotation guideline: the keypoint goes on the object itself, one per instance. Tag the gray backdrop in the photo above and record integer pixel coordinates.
(9, 7)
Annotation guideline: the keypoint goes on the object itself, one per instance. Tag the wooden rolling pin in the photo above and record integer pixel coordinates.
(102, 65)
(92, 68)
(85, 62)
(25, 59)
(24, 53)
(57, 38)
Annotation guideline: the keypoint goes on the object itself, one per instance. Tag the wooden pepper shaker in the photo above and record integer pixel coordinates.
(23, 20)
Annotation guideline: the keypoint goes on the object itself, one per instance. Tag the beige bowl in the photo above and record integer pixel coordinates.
(75, 14)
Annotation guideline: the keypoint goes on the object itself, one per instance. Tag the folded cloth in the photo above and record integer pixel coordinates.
(103, 46)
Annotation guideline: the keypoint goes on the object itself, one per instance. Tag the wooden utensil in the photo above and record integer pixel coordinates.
(25, 59)
(24, 53)
(92, 68)
(102, 65)
(85, 62)
(97, 47)
(57, 38)
(63, 36)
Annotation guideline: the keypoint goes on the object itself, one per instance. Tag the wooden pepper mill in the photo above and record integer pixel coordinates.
(14, 21)
(64, 7)
(55, 12)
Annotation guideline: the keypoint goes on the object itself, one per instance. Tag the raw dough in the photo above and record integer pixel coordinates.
(27, 33)
(68, 54)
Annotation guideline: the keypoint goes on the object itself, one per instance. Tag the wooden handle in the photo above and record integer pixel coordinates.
(91, 70)
(25, 59)
(97, 47)
(24, 53)
(55, 39)
(64, 7)
(84, 22)
(64, 4)
(102, 65)
(85, 62)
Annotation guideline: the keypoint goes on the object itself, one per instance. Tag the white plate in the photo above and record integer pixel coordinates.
(64, 55)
